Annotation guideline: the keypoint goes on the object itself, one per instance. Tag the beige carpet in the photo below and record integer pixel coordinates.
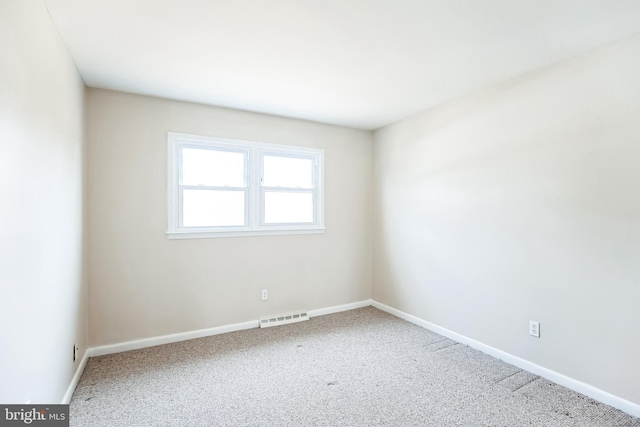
(358, 368)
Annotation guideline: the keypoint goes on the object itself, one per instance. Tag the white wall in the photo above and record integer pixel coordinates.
(522, 202)
(143, 285)
(42, 292)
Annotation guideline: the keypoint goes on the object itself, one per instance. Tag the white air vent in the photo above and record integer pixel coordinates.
(283, 319)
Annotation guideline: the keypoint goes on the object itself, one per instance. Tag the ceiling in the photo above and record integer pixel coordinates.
(357, 63)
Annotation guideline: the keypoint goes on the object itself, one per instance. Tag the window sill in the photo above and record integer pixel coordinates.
(174, 235)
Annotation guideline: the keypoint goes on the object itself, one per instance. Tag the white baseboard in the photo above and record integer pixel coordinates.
(624, 405)
(168, 339)
(578, 386)
(183, 336)
(339, 308)
(76, 378)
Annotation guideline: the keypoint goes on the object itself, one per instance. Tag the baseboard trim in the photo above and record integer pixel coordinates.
(184, 336)
(607, 398)
(168, 339)
(76, 378)
(339, 308)
(575, 385)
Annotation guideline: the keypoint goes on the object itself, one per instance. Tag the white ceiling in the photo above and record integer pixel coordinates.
(359, 63)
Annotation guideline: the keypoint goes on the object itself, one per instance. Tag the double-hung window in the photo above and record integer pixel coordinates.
(220, 187)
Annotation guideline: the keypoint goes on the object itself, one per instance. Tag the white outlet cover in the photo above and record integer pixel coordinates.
(534, 328)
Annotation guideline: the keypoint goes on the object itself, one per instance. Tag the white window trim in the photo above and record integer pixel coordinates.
(254, 215)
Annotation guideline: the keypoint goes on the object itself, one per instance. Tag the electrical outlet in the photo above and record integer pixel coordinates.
(75, 351)
(265, 295)
(534, 328)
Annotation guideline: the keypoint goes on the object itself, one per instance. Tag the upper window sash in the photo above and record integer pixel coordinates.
(311, 158)
(246, 152)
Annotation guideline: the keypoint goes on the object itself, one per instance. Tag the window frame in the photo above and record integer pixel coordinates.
(264, 189)
(254, 153)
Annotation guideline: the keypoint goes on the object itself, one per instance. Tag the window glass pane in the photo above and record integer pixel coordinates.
(212, 167)
(288, 172)
(211, 208)
(281, 207)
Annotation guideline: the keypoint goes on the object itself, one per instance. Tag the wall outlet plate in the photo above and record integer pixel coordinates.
(534, 328)
(75, 351)
(265, 295)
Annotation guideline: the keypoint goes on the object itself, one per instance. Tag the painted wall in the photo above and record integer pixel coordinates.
(143, 285)
(522, 203)
(42, 284)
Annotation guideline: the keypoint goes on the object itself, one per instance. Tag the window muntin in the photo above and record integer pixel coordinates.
(221, 187)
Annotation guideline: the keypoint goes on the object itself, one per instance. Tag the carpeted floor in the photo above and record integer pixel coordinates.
(358, 368)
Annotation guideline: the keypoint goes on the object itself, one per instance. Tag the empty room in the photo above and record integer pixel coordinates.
(323, 213)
